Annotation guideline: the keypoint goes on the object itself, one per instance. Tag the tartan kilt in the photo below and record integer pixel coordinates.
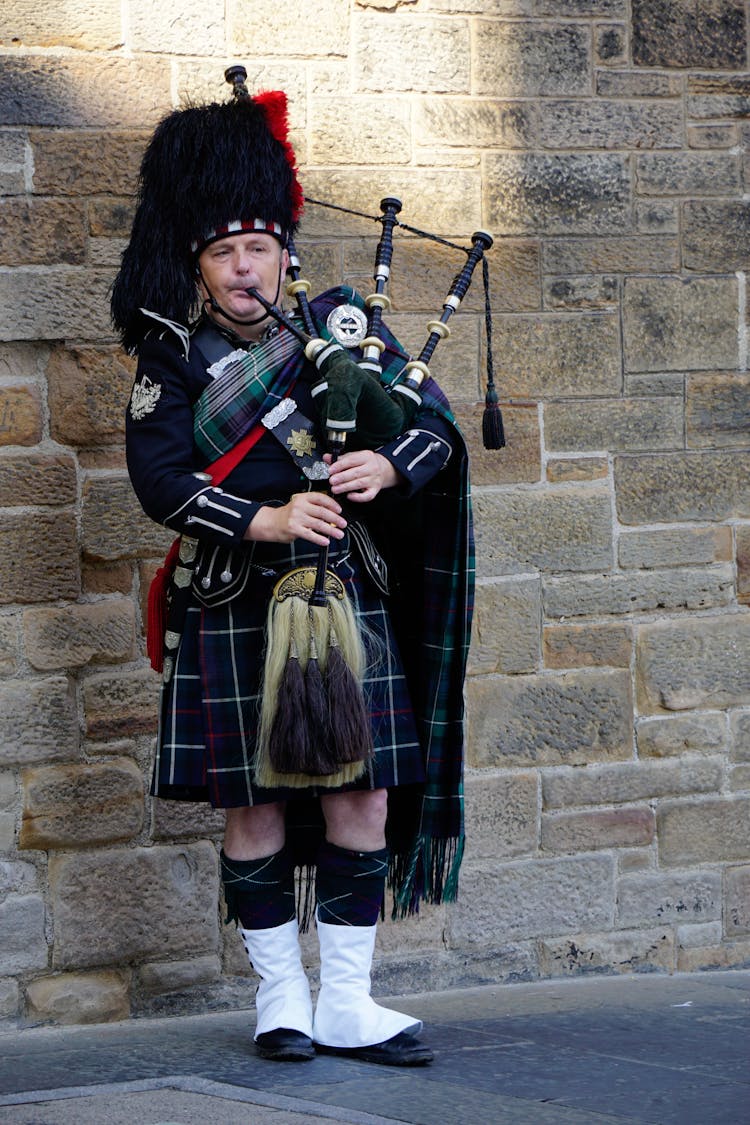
(209, 711)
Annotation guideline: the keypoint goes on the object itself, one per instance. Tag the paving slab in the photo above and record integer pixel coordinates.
(639, 1049)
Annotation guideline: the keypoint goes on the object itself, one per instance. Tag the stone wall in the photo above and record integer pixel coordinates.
(604, 142)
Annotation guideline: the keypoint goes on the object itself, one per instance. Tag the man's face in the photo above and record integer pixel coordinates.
(229, 266)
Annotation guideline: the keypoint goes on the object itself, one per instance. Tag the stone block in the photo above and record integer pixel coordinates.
(637, 84)
(580, 292)
(10, 999)
(77, 805)
(635, 859)
(22, 937)
(717, 410)
(76, 25)
(656, 216)
(599, 828)
(111, 218)
(22, 362)
(617, 124)
(502, 814)
(679, 546)
(170, 910)
(555, 354)
(557, 193)
(173, 976)
(739, 725)
(176, 28)
(7, 832)
(610, 43)
(688, 173)
(320, 28)
(737, 901)
(609, 644)
(103, 457)
(520, 459)
(685, 33)
(739, 779)
(639, 591)
(728, 955)
(457, 365)
(549, 719)
(364, 130)
(10, 635)
(657, 254)
(451, 205)
(675, 325)
(567, 9)
(506, 626)
(532, 898)
(703, 733)
(682, 665)
(174, 820)
(666, 383)
(39, 562)
(109, 578)
(564, 470)
(676, 487)
(90, 92)
(422, 272)
(529, 60)
(614, 424)
(102, 632)
(743, 563)
(79, 998)
(44, 231)
(716, 235)
(566, 528)
(615, 783)
(628, 951)
(89, 390)
(17, 878)
(414, 53)
(37, 478)
(113, 524)
(704, 830)
(712, 136)
(124, 703)
(698, 934)
(663, 899)
(20, 415)
(476, 123)
(716, 105)
(76, 303)
(38, 721)
(82, 163)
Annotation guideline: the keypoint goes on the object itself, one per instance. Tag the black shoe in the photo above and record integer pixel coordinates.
(285, 1045)
(402, 1050)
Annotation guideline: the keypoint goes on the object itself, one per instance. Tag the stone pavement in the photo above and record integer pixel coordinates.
(647, 1048)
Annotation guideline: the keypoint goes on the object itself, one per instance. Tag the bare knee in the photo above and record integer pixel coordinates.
(356, 820)
(255, 831)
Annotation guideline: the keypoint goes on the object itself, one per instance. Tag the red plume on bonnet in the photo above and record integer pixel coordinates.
(274, 103)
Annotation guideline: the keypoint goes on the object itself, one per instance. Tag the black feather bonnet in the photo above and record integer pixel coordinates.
(204, 168)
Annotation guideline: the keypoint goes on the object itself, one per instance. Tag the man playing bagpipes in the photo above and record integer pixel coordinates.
(330, 726)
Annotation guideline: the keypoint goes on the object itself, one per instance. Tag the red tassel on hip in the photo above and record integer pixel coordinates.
(156, 620)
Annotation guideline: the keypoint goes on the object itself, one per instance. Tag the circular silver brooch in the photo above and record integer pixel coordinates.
(348, 325)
